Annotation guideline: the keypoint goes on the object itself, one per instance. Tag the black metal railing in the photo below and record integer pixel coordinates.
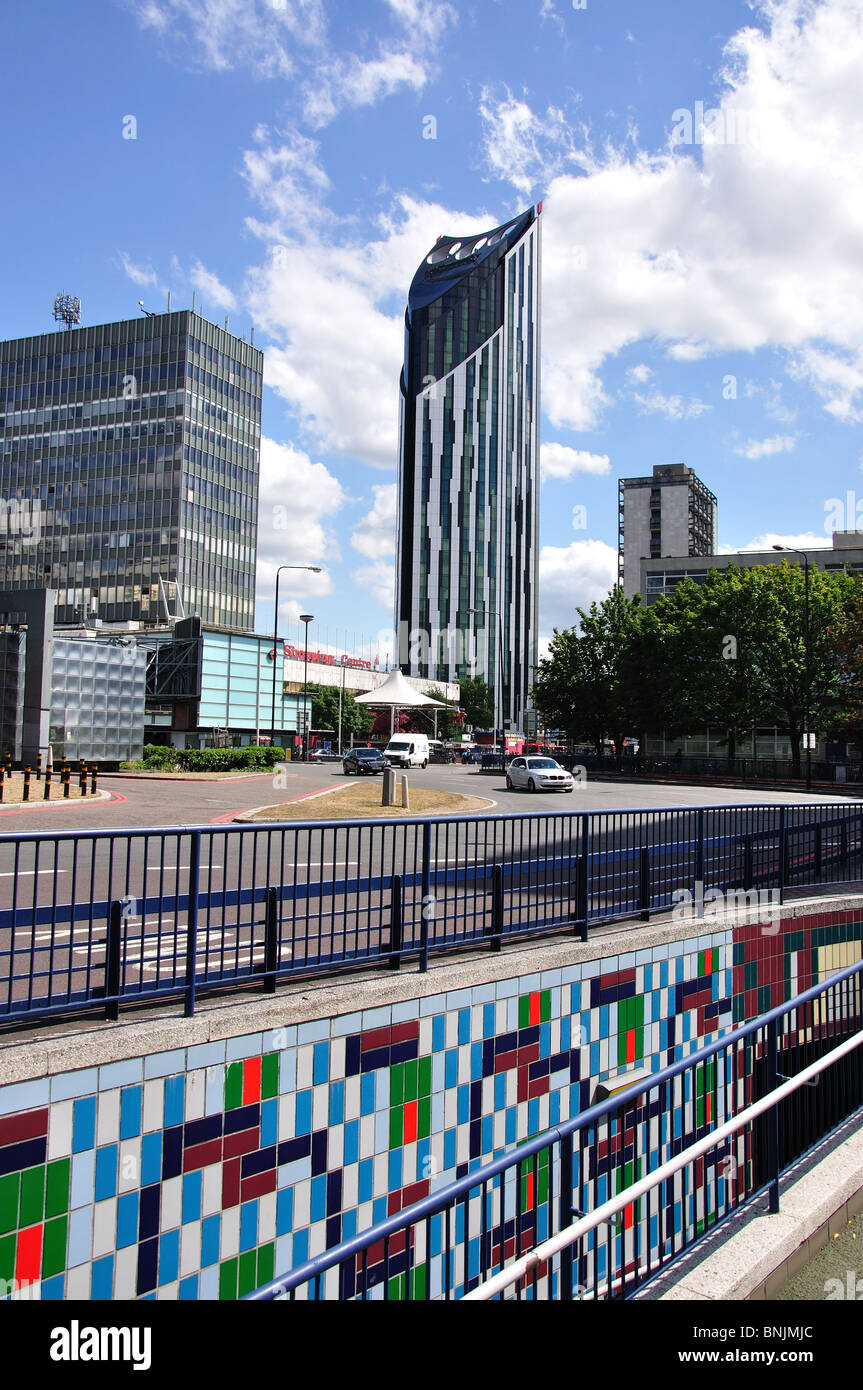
(452, 1241)
(109, 918)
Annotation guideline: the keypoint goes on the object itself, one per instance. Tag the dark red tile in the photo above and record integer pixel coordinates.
(28, 1124)
(243, 1143)
(202, 1155)
(258, 1185)
(377, 1037)
(231, 1183)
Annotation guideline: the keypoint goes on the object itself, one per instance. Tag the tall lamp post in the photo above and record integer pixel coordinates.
(493, 613)
(807, 713)
(306, 618)
(315, 569)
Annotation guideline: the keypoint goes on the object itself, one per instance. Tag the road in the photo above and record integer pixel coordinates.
(334, 891)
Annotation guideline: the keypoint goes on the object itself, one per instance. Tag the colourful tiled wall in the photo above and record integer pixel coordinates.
(201, 1173)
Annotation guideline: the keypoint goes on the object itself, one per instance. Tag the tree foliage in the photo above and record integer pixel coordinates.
(356, 719)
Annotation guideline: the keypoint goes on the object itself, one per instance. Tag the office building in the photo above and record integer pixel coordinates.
(670, 513)
(659, 577)
(467, 551)
(129, 457)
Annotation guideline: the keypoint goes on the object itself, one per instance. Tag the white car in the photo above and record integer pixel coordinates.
(538, 775)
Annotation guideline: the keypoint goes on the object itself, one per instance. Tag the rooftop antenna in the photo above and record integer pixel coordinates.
(67, 309)
(151, 313)
(253, 336)
(169, 301)
(194, 297)
(227, 321)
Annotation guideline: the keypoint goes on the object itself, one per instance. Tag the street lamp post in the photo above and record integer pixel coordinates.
(315, 569)
(306, 618)
(807, 712)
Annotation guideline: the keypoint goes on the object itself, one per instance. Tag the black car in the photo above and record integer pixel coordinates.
(364, 760)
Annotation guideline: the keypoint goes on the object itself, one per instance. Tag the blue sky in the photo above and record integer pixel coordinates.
(293, 160)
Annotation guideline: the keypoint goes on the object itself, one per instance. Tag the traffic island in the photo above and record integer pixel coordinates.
(363, 802)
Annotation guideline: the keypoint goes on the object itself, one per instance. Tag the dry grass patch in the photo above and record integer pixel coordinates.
(364, 800)
(13, 790)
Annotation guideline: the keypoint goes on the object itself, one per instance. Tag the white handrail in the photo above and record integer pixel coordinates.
(498, 1282)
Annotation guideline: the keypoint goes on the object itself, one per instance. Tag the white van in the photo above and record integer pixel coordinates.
(407, 750)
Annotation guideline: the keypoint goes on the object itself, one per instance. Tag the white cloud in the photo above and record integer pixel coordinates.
(138, 274)
(573, 576)
(559, 461)
(639, 374)
(211, 287)
(519, 146)
(765, 448)
(672, 407)
(356, 82)
(380, 580)
(375, 534)
(716, 247)
(805, 541)
(297, 498)
(771, 395)
(220, 35)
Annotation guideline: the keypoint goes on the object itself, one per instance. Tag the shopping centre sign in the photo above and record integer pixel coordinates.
(324, 658)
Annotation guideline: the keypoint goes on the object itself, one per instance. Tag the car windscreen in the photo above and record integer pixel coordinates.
(541, 762)
(367, 753)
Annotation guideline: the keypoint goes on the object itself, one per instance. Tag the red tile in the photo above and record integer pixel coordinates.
(539, 1087)
(251, 1080)
(528, 1054)
(231, 1183)
(533, 1015)
(415, 1192)
(28, 1263)
(406, 1032)
(202, 1155)
(410, 1122)
(28, 1124)
(394, 1204)
(243, 1143)
(378, 1037)
(258, 1185)
(521, 1084)
(504, 1060)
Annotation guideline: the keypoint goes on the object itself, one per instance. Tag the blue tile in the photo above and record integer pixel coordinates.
(209, 1285)
(318, 1198)
(382, 1089)
(464, 1025)
(188, 1290)
(120, 1073)
(151, 1158)
(316, 1031)
(205, 1055)
(488, 1020)
(127, 1219)
(106, 1172)
(351, 1142)
(192, 1186)
(71, 1084)
(53, 1289)
(303, 1122)
(449, 1149)
(164, 1063)
(451, 1068)
(80, 1236)
(25, 1095)
(210, 1240)
(248, 1225)
(252, 1045)
(395, 1169)
(320, 1063)
(84, 1124)
(438, 1032)
(300, 1248)
(345, 1024)
(175, 1088)
(407, 1010)
(285, 1211)
(337, 1102)
(102, 1278)
(269, 1122)
(130, 1112)
(83, 1179)
(367, 1094)
(365, 1180)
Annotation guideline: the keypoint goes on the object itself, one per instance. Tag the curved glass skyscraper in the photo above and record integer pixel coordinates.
(466, 574)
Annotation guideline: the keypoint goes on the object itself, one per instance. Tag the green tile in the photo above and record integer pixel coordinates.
(228, 1279)
(234, 1086)
(266, 1264)
(7, 1257)
(32, 1196)
(57, 1188)
(396, 1128)
(418, 1282)
(270, 1076)
(397, 1083)
(545, 1006)
(54, 1247)
(523, 1010)
(248, 1272)
(411, 1070)
(425, 1068)
(9, 1188)
(424, 1117)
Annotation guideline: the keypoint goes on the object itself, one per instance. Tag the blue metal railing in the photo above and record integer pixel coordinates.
(451, 1241)
(108, 918)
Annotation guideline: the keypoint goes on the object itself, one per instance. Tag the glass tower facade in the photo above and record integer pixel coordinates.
(129, 457)
(467, 557)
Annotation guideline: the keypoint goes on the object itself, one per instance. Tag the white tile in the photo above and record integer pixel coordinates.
(60, 1131)
(125, 1273)
(154, 1105)
(230, 1243)
(104, 1227)
(337, 1059)
(211, 1190)
(129, 1166)
(168, 1293)
(190, 1248)
(171, 1204)
(108, 1117)
(266, 1218)
(195, 1094)
(320, 1107)
(305, 1061)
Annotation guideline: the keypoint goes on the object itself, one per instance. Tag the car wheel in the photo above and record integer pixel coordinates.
(509, 785)
(531, 786)
(425, 762)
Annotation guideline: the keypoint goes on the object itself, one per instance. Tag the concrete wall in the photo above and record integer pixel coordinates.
(194, 1158)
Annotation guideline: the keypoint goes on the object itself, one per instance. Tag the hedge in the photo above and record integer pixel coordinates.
(209, 759)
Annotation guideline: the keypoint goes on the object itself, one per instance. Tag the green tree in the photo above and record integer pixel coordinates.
(477, 701)
(449, 723)
(357, 719)
(591, 682)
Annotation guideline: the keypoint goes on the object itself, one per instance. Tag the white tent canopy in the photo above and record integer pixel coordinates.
(396, 693)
